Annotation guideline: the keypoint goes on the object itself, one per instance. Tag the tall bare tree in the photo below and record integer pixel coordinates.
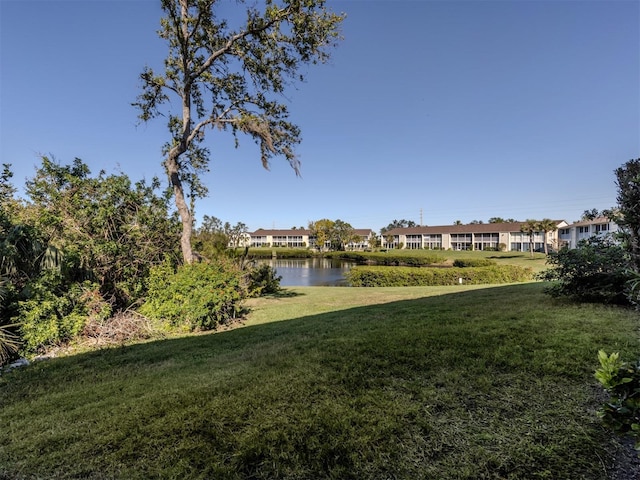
(229, 78)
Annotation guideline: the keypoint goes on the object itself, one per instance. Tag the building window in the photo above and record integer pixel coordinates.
(279, 240)
(432, 242)
(604, 227)
(461, 241)
(258, 241)
(486, 241)
(414, 242)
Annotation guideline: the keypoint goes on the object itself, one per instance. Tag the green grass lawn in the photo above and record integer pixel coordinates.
(343, 383)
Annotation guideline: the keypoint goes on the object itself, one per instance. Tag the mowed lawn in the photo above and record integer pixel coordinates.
(342, 383)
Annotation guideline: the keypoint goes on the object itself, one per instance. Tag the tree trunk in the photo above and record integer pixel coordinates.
(171, 165)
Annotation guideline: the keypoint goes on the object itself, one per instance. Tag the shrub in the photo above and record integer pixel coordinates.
(199, 296)
(283, 252)
(263, 280)
(595, 271)
(622, 381)
(54, 313)
(473, 262)
(382, 258)
(372, 276)
(633, 288)
(9, 342)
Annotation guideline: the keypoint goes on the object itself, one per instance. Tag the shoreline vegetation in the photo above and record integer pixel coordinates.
(431, 258)
(453, 382)
(397, 268)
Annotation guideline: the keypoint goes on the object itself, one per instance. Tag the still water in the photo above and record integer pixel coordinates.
(310, 272)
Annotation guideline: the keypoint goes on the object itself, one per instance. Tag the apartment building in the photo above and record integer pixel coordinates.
(300, 238)
(505, 236)
(570, 235)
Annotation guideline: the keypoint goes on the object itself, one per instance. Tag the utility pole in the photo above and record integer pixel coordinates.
(420, 216)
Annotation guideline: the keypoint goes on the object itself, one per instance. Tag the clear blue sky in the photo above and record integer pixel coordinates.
(462, 109)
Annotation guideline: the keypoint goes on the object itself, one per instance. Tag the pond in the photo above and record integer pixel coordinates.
(310, 272)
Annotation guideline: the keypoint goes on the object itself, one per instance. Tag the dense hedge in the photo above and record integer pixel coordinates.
(386, 258)
(199, 296)
(375, 276)
(473, 262)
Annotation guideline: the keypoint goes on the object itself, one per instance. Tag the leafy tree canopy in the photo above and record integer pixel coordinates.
(627, 215)
(398, 224)
(229, 76)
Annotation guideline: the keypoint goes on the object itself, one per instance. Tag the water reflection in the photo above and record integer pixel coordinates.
(310, 272)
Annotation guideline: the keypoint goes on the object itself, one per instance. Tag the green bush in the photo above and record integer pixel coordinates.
(596, 271)
(473, 262)
(9, 341)
(376, 276)
(200, 296)
(54, 313)
(622, 381)
(281, 252)
(263, 280)
(387, 258)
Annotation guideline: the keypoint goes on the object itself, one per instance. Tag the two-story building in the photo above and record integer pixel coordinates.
(570, 235)
(507, 236)
(300, 238)
(293, 238)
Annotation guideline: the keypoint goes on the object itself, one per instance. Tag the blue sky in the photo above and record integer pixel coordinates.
(459, 110)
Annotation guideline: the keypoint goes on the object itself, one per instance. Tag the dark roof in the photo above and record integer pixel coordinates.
(470, 228)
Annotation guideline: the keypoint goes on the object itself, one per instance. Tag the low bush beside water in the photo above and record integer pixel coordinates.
(386, 258)
(376, 276)
(473, 262)
(280, 252)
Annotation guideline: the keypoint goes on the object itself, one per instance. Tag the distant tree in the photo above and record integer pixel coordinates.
(546, 225)
(213, 237)
(457, 222)
(211, 224)
(496, 220)
(322, 231)
(209, 239)
(236, 233)
(476, 222)
(398, 224)
(225, 78)
(374, 241)
(530, 227)
(342, 234)
(590, 214)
